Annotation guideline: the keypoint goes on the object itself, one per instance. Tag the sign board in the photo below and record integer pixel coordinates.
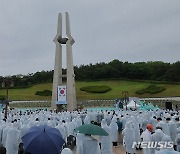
(61, 95)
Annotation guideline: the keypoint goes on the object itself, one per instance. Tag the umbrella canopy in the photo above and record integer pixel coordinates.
(91, 129)
(43, 140)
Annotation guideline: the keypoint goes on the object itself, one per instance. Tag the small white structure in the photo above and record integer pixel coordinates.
(133, 105)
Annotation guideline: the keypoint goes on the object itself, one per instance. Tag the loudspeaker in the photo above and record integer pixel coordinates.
(169, 106)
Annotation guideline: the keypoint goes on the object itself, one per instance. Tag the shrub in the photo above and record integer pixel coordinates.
(2, 97)
(151, 89)
(96, 89)
(44, 93)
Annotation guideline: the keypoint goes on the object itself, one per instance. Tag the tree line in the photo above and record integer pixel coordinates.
(156, 71)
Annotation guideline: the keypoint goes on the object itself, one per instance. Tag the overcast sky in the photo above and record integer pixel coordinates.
(128, 30)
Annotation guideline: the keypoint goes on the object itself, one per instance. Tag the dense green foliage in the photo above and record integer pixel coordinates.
(96, 89)
(2, 97)
(151, 89)
(44, 93)
(156, 71)
(24, 81)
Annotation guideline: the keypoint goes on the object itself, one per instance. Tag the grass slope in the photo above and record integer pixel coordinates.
(117, 87)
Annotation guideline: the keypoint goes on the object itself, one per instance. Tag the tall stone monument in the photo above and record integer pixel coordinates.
(68, 41)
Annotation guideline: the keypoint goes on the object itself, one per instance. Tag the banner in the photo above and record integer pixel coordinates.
(61, 95)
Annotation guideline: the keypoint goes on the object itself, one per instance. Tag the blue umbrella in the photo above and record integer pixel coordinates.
(43, 140)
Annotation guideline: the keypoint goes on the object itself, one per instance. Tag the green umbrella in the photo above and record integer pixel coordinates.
(90, 129)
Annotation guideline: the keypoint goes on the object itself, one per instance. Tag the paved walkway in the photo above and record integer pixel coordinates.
(121, 150)
(118, 150)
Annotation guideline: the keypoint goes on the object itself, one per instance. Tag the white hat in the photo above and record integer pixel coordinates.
(66, 151)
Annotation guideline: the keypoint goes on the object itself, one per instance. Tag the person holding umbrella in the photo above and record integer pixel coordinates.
(79, 139)
(43, 140)
(90, 145)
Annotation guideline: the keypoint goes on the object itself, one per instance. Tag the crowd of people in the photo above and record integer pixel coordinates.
(132, 128)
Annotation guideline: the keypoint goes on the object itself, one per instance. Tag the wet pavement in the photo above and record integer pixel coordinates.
(121, 150)
(117, 150)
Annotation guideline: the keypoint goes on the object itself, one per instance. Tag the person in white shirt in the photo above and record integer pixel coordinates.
(89, 145)
(147, 137)
(129, 138)
(106, 143)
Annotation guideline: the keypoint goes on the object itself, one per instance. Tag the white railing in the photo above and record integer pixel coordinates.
(40, 101)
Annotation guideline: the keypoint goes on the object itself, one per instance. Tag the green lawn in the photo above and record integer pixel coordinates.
(117, 87)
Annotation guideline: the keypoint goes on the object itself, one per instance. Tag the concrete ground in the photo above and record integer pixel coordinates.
(118, 150)
(121, 150)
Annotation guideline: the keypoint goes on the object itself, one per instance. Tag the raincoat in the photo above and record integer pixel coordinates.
(106, 143)
(129, 138)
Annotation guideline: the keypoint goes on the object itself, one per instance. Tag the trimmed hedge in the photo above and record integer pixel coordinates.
(2, 97)
(44, 93)
(151, 89)
(96, 89)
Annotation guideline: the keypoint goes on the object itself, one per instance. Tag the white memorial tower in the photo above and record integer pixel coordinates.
(70, 92)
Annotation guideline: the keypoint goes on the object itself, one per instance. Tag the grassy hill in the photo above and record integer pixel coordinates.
(117, 87)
